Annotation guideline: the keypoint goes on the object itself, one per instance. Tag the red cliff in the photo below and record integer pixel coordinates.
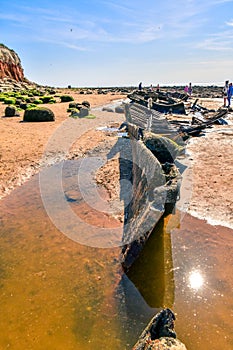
(10, 64)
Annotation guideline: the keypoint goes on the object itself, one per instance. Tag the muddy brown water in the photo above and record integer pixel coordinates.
(58, 294)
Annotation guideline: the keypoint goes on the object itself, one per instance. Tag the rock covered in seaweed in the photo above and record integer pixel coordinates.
(38, 114)
(11, 111)
(160, 334)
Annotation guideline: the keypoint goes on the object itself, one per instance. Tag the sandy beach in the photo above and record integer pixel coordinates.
(210, 172)
(23, 144)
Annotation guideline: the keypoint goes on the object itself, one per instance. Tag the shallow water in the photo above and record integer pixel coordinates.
(203, 266)
(59, 294)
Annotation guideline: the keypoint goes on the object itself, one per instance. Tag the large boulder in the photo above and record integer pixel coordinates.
(38, 114)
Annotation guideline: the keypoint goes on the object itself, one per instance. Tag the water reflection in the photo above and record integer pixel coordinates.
(152, 272)
(203, 284)
(148, 285)
(57, 294)
(196, 280)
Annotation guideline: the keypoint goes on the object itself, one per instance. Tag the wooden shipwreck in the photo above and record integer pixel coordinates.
(159, 101)
(156, 143)
(155, 177)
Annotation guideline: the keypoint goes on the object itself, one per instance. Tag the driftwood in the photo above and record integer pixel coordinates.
(199, 123)
(196, 107)
(200, 119)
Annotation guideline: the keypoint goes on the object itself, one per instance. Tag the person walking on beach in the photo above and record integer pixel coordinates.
(140, 86)
(186, 89)
(229, 94)
(224, 93)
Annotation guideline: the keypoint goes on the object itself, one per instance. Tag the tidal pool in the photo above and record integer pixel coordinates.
(58, 294)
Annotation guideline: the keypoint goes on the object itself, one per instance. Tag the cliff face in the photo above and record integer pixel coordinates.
(10, 65)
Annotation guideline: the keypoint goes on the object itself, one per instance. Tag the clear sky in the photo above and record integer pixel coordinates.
(120, 43)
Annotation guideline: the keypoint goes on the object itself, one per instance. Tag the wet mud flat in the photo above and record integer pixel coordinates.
(60, 294)
(55, 292)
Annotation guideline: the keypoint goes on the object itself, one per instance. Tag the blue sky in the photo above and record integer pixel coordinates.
(120, 43)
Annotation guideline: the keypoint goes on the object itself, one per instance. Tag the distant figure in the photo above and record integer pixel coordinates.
(151, 88)
(190, 89)
(149, 103)
(229, 94)
(157, 88)
(224, 93)
(186, 89)
(140, 86)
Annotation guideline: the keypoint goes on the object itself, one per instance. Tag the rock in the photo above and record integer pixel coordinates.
(162, 344)
(66, 98)
(38, 114)
(11, 111)
(24, 105)
(72, 105)
(84, 112)
(107, 109)
(119, 109)
(86, 104)
(11, 72)
(160, 334)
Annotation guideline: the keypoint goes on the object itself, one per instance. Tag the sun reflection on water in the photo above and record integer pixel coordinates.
(196, 280)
